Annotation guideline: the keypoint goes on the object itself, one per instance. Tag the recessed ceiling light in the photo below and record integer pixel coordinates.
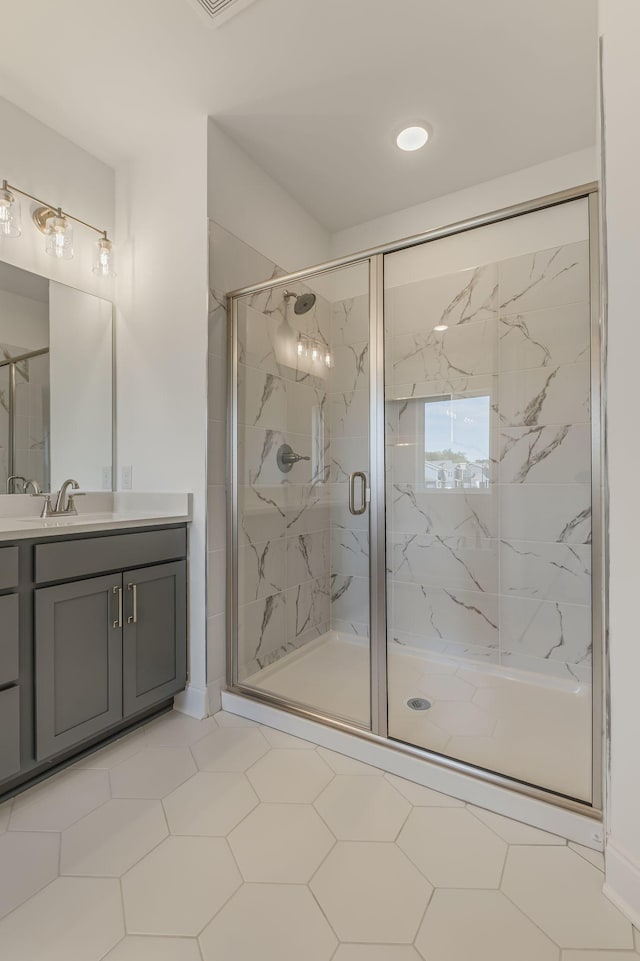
(412, 138)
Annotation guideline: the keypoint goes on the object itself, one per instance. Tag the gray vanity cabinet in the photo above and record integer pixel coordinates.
(154, 640)
(78, 662)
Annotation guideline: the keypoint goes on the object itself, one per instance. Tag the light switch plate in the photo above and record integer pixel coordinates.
(127, 478)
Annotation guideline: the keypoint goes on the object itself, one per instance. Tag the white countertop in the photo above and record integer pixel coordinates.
(123, 510)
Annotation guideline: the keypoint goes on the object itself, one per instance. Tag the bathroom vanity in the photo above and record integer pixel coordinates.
(93, 627)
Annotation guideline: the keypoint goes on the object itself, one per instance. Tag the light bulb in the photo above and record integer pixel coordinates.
(9, 213)
(103, 265)
(59, 233)
(300, 347)
(327, 360)
(314, 354)
(440, 327)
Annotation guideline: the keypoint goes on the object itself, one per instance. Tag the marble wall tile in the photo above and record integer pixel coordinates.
(262, 401)
(261, 632)
(460, 563)
(262, 513)
(307, 509)
(465, 297)
(350, 598)
(303, 404)
(341, 517)
(261, 569)
(350, 552)
(349, 414)
(307, 557)
(446, 512)
(553, 572)
(548, 395)
(348, 454)
(350, 321)
(546, 512)
(544, 338)
(350, 368)
(308, 608)
(454, 616)
(440, 355)
(549, 630)
(581, 673)
(545, 455)
(217, 322)
(546, 278)
(350, 627)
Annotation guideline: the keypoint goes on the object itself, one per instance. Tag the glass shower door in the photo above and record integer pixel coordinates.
(300, 378)
(487, 393)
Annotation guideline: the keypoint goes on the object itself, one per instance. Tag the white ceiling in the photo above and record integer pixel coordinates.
(314, 90)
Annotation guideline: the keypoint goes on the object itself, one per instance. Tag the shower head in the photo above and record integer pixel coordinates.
(303, 302)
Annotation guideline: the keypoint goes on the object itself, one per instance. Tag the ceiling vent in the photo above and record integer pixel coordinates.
(218, 12)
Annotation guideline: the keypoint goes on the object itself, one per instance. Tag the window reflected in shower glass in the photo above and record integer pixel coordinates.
(456, 442)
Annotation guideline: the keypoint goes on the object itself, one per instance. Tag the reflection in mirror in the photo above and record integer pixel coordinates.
(55, 385)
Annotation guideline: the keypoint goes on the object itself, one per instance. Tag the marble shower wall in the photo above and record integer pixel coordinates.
(283, 519)
(31, 418)
(492, 560)
(349, 414)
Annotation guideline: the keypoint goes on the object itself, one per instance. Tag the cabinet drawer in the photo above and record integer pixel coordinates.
(9, 732)
(8, 567)
(94, 555)
(8, 638)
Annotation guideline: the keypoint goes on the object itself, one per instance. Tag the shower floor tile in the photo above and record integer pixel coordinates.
(418, 876)
(531, 727)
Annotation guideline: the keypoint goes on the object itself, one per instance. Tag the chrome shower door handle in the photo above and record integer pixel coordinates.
(352, 492)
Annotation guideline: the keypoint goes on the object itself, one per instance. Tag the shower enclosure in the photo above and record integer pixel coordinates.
(415, 511)
(24, 418)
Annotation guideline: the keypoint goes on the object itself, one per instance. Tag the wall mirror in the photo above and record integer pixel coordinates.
(56, 385)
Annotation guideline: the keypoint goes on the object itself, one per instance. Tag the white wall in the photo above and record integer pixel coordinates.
(42, 162)
(80, 375)
(161, 335)
(560, 174)
(620, 27)
(247, 202)
(23, 321)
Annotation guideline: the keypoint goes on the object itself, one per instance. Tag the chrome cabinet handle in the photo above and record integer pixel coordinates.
(118, 621)
(133, 618)
(352, 492)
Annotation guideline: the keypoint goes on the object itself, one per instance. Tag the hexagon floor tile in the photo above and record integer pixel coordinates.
(209, 803)
(421, 796)
(57, 803)
(281, 843)
(376, 952)
(110, 840)
(341, 764)
(371, 893)
(290, 776)
(179, 886)
(154, 773)
(282, 740)
(75, 919)
(28, 862)
(269, 922)
(513, 832)
(139, 948)
(483, 925)
(362, 808)
(230, 749)
(178, 730)
(452, 848)
(568, 905)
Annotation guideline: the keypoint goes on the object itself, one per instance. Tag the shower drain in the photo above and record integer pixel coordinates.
(418, 704)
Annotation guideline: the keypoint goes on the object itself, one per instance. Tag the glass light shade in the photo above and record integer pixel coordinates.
(9, 214)
(104, 265)
(59, 234)
(412, 138)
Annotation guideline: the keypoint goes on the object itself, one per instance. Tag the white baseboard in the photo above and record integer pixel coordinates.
(622, 884)
(192, 701)
(540, 814)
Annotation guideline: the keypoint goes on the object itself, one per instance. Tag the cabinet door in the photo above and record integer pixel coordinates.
(155, 635)
(78, 659)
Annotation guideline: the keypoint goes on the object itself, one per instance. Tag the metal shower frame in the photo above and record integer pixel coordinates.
(377, 528)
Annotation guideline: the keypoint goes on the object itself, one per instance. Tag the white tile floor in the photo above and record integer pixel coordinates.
(517, 723)
(220, 840)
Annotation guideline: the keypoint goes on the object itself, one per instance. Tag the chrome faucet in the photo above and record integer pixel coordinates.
(11, 482)
(65, 503)
(64, 500)
(34, 485)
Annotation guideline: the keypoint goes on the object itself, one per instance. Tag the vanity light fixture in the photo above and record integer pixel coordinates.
(440, 327)
(413, 137)
(56, 225)
(308, 347)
